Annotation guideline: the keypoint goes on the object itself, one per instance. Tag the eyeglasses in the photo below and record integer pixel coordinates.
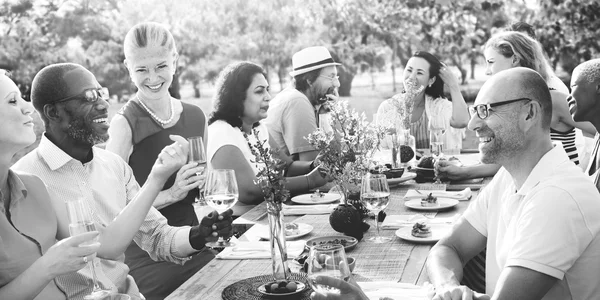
(336, 77)
(483, 110)
(89, 95)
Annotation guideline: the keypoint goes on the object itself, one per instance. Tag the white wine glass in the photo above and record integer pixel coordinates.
(80, 221)
(327, 260)
(436, 140)
(375, 195)
(197, 154)
(221, 193)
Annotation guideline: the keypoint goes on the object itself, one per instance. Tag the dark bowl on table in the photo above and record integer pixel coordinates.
(424, 174)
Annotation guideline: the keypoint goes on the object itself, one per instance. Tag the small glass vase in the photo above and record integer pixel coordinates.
(403, 139)
(277, 242)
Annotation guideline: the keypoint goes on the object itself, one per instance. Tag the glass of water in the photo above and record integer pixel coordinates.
(375, 195)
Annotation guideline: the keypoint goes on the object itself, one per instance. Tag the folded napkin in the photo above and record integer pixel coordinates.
(319, 209)
(458, 195)
(397, 221)
(391, 290)
(259, 250)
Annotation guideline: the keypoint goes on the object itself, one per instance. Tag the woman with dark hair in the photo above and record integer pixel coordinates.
(424, 79)
(240, 103)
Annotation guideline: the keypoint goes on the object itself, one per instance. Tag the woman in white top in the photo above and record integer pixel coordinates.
(430, 110)
(240, 103)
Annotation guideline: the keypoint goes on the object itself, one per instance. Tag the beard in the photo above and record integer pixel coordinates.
(82, 131)
(506, 145)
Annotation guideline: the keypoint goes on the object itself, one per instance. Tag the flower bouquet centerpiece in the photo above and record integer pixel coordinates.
(397, 122)
(271, 180)
(345, 156)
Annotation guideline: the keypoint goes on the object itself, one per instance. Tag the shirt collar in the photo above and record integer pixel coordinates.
(53, 155)
(544, 168)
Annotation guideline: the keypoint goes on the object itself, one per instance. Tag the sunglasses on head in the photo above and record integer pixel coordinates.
(483, 110)
(90, 95)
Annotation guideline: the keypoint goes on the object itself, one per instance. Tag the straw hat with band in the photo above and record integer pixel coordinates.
(311, 58)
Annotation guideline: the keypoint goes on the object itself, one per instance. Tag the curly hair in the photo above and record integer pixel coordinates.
(589, 70)
(232, 84)
(436, 90)
(301, 82)
(526, 49)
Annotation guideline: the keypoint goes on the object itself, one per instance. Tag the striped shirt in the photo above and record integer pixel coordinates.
(567, 139)
(107, 184)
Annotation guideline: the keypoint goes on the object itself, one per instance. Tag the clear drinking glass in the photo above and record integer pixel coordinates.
(327, 261)
(375, 195)
(221, 193)
(436, 141)
(198, 155)
(80, 221)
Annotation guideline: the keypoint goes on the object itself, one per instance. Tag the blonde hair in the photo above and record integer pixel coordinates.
(526, 49)
(148, 34)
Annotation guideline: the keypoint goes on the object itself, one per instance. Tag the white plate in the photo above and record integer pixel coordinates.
(438, 231)
(406, 176)
(303, 229)
(307, 199)
(443, 203)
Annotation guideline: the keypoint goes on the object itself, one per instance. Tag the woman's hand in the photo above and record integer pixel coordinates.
(449, 78)
(348, 290)
(189, 177)
(68, 255)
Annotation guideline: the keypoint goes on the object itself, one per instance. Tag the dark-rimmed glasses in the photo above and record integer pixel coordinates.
(483, 110)
(90, 95)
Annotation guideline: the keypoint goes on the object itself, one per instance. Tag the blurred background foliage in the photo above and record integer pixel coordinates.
(364, 35)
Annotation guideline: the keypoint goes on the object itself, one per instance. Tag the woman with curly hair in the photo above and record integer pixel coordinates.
(240, 103)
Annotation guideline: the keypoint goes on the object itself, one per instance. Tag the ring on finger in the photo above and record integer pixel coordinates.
(85, 259)
(171, 152)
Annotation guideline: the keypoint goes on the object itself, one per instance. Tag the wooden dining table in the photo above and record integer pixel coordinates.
(397, 260)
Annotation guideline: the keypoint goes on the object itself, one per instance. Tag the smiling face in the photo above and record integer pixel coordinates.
(496, 62)
(499, 134)
(151, 69)
(16, 124)
(326, 83)
(584, 99)
(417, 70)
(87, 122)
(257, 100)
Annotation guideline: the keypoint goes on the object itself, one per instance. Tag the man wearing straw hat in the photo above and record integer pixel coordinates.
(294, 112)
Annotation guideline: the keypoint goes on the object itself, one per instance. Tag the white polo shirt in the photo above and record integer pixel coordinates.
(551, 225)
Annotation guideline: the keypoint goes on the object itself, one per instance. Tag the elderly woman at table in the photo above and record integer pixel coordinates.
(241, 102)
(424, 79)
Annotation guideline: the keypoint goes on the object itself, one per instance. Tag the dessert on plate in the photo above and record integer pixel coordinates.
(291, 229)
(421, 230)
(429, 201)
(316, 195)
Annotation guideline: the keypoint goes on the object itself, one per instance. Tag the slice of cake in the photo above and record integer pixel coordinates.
(421, 230)
(429, 201)
(291, 229)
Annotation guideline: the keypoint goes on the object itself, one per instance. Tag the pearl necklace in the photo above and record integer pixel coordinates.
(159, 120)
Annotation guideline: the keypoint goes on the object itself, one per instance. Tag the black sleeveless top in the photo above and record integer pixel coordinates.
(157, 279)
(149, 138)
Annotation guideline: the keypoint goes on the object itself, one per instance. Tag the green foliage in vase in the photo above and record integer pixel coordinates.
(270, 176)
(345, 153)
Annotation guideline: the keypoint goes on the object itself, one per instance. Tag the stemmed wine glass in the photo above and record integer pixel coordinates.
(375, 195)
(436, 136)
(221, 193)
(327, 261)
(80, 221)
(198, 155)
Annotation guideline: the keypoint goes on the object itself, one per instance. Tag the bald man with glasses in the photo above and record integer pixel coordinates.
(539, 217)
